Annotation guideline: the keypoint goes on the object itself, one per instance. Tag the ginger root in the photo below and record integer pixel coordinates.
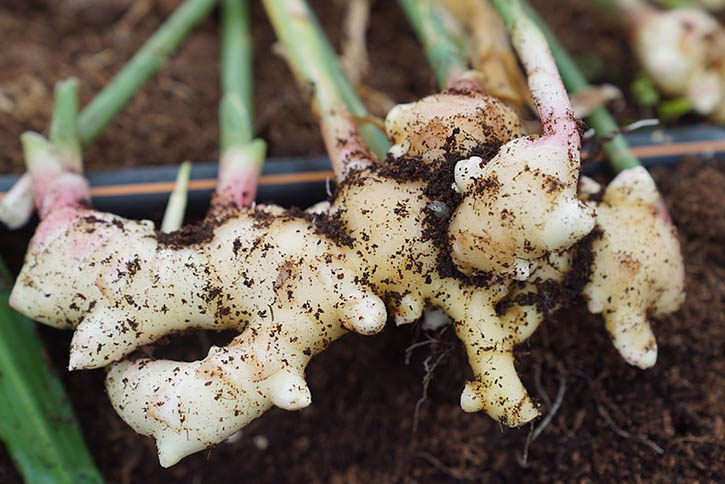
(682, 50)
(628, 269)
(638, 268)
(463, 208)
(280, 278)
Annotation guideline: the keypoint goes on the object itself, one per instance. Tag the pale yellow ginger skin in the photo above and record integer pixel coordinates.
(638, 267)
(289, 290)
(498, 227)
(425, 128)
(682, 50)
(527, 317)
(410, 270)
(524, 202)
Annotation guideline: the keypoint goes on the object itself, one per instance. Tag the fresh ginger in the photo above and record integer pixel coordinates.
(267, 273)
(682, 50)
(291, 283)
(288, 289)
(530, 185)
(638, 270)
(628, 269)
(456, 119)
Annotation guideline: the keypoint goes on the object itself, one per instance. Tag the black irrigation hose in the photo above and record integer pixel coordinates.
(142, 192)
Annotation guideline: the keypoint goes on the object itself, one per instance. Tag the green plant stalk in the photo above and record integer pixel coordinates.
(152, 55)
(444, 54)
(64, 123)
(612, 5)
(37, 424)
(606, 128)
(235, 116)
(314, 62)
(674, 108)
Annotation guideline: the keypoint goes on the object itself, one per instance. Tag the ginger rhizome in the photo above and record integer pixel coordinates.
(682, 50)
(455, 227)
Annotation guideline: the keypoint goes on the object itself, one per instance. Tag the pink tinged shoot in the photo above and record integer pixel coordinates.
(239, 171)
(530, 185)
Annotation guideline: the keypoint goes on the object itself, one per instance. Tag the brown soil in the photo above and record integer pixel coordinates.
(174, 117)
(615, 423)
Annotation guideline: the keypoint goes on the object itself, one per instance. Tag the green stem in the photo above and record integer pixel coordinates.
(314, 62)
(679, 4)
(444, 53)
(674, 108)
(37, 424)
(152, 55)
(508, 10)
(235, 123)
(606, 128)
(64, 124)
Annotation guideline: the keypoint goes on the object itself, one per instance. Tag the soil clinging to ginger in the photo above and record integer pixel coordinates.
(614, 419)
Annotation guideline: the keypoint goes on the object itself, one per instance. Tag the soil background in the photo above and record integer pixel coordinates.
(615, 422)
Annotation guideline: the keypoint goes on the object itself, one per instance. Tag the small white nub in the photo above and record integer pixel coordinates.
(365, 315)
(397, 151)
(633, 184)
(470, 402)
(522, 269)
(289, 391)
(410, 310)
(569, 221)
(434, 319)
(588, 187)
(637, 355)
(320, 208)
(466, 170)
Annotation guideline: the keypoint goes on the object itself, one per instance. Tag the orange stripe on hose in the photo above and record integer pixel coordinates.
(689, 148)
(204, 184)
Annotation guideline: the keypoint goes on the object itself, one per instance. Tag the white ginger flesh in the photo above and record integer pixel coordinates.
(682, 50)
